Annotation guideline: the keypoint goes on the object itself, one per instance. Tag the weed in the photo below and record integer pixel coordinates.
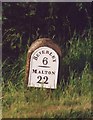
(72, 100)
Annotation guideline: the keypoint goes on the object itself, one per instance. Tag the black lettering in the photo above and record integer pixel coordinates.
(53, 72)
(49, 72)
(50, 54)
(39, 72)
(40, 78)
(35, 58)
(45, 61)
(53, 57)
(47, 52)
(40, 53)
(37, 55)
(46, 72)
(42, 72)
(54, 60)
(44, 78)
(43, 52)
(34, 71)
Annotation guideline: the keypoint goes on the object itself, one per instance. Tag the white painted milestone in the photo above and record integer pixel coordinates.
(43, 71)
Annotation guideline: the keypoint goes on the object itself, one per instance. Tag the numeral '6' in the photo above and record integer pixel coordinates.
(45, 60)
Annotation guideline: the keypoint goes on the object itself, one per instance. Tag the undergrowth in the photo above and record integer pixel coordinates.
(71, 100)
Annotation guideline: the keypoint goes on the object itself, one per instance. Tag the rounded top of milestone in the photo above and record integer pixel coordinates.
(42, 64)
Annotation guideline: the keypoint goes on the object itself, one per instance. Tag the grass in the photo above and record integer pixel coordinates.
(50, 109)
(38, 104)
(73, 100)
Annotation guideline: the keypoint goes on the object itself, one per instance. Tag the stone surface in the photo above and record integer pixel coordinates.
(42, 64)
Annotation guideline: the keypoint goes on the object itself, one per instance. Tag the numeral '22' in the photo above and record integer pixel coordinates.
(40, 78)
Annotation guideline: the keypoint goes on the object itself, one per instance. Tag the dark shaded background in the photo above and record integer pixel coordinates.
(25, 22)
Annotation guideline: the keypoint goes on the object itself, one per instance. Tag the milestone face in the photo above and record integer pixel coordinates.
(43, 70)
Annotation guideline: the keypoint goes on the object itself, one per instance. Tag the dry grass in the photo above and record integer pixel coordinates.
(50, 108)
